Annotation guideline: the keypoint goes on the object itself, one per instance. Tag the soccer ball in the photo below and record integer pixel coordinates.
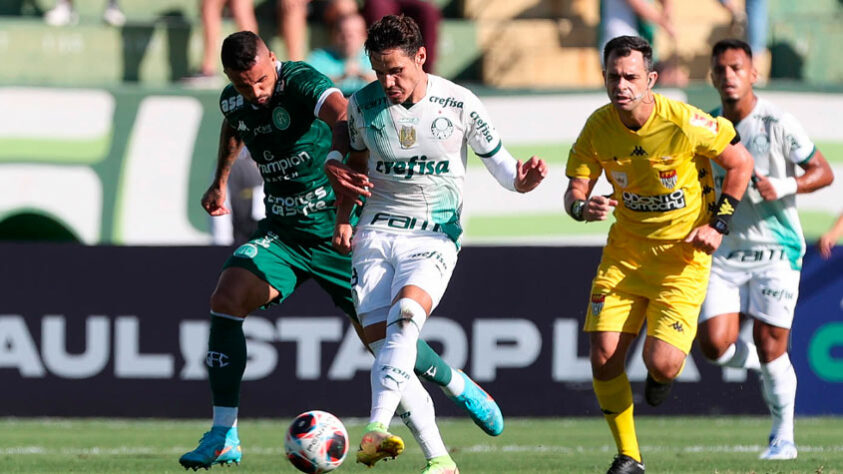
(316, 442)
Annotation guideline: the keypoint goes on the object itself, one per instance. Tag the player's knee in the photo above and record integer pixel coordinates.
(407, 311)
(712, 350)
(664, 369)
(770, 349)
(606, 364)
(712, 345)
(226, 301)
(770, 341)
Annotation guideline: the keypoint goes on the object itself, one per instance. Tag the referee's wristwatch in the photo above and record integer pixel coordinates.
(721, 226)
(577, 209)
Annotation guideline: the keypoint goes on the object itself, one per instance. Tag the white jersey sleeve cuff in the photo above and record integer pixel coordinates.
(323, 98)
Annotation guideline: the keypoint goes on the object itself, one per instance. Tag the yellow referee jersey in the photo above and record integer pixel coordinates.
(661, 173)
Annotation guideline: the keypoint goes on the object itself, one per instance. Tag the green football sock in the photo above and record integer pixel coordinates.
(431, 367)
(226, 360)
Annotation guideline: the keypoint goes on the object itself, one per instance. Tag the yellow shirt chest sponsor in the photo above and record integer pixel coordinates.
(661, 173)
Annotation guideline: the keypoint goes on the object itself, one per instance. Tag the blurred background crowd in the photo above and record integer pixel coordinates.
(502, 43)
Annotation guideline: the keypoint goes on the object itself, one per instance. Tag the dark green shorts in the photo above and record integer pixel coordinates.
(286, 264)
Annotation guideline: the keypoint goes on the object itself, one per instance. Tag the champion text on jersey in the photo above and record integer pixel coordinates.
(483, 127)
(660, 203)
(283, 165)
(415, 165)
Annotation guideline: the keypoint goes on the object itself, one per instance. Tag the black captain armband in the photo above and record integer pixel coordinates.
(736, 139)
(723, 212)
(577, 208)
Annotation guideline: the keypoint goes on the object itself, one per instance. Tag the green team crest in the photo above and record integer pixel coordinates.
(281, 118)
(246, 251)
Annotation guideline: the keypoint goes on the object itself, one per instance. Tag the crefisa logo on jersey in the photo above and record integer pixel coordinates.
(441, 128)
(668, 178)
(407, 136)
(597, 301)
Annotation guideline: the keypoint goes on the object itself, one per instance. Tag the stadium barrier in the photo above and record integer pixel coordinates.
(122, 331)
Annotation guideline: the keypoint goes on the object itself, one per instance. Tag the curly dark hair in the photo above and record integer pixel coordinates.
(394, 31)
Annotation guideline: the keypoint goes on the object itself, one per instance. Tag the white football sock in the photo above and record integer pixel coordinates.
(417, 412)
(740, 355)
(779, 381)
(456, 386)
(395, 360)
(225, 416)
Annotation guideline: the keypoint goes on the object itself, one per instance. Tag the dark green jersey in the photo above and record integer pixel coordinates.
(289, 145)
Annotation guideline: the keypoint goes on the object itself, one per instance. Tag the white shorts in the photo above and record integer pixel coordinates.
(385, 262)
(767, 294)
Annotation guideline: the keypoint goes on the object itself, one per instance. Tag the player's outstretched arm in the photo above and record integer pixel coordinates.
(345, 205)
(345, 181)
(738, 164)
(213, 201)
(530, 174)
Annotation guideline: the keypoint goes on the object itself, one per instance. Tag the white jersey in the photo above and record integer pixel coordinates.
(417, 156)
(764, 233)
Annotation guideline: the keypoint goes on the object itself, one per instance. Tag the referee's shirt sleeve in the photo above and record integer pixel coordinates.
(710, 135)
(582, 159)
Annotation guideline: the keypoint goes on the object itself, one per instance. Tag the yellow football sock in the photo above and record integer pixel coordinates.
(615, 399)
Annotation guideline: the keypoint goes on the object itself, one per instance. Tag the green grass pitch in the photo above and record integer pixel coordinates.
(555, 445)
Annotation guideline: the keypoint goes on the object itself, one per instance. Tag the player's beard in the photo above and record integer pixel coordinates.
(272, 90)
(731, 100)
